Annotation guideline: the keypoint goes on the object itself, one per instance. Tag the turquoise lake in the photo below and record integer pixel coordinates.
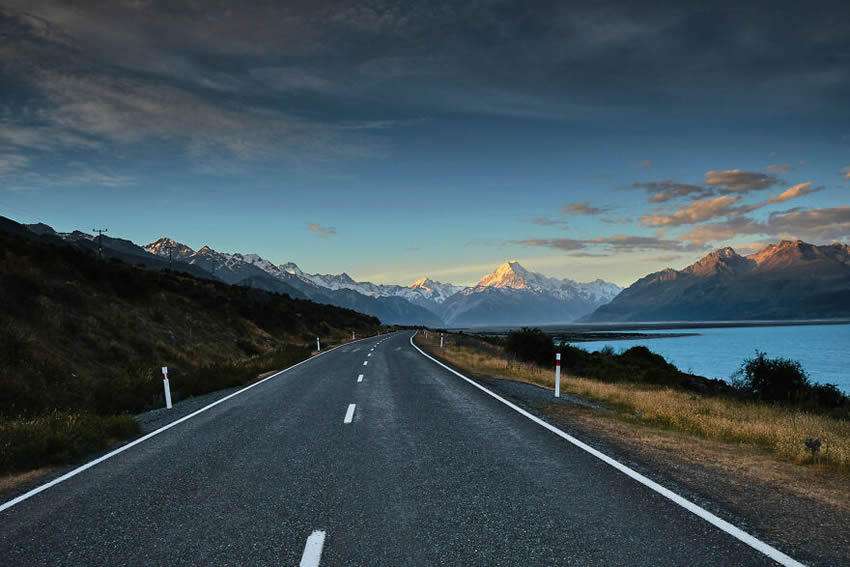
(823, 350)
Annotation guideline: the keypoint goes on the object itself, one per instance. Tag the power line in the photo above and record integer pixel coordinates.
(170, 248)
(99, 232)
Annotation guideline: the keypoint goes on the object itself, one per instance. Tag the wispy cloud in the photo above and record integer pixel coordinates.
(556, 243)
(779, 168)
(846, 172)
(646, 163)
(584, 208)
(547, 221)
(617, 243)
(322, 231)
(662, 191)
(739, 182)
(664, 258)
(12, 162)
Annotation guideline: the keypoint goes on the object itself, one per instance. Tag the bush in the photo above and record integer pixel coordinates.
(773, 379)
(531, 345)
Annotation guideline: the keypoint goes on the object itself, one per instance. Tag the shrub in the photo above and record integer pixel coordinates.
(531, 345)
(773, 379)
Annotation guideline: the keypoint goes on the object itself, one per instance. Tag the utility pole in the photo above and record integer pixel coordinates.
(170, 248)
(99, 232)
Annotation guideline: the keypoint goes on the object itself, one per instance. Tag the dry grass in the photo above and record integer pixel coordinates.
(780, 430)
(15, 480)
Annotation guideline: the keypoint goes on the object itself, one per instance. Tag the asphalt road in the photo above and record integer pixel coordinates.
(430, 471)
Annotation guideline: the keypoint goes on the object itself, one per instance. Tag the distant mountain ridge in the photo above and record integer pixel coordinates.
(788, 280)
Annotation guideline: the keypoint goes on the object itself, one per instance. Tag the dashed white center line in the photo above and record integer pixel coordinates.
(349, 415)
(370, 354)
(365, 362)
(360, 378)
(313, 549)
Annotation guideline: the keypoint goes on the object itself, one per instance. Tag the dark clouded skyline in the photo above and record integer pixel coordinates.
(397, 139)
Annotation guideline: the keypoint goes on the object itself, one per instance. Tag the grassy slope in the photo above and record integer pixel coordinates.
(82, 340)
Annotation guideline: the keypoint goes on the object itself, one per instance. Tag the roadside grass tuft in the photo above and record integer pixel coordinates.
(59, 438)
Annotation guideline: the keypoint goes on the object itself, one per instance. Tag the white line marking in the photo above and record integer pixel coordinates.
(365, 362)
(360, 378)
(349, 414)
(144, 438)
(370, 354)
(313, 549)
(730, 529)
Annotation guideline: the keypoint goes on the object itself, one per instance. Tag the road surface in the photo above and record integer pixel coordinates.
(408, 465)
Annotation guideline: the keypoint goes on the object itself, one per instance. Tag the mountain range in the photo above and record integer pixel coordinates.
(788, 280)
(511, 295)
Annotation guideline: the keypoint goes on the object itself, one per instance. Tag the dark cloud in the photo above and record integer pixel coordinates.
(649, 53)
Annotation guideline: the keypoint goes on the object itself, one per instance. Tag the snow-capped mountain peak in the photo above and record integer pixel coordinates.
(512, 275)
(291, 268)
(433, 290)
(161, 248)
(509, 275)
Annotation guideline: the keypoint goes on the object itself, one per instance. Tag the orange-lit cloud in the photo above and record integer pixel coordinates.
(697, 212)
(322, 231)
(794, 192)
(740, 182)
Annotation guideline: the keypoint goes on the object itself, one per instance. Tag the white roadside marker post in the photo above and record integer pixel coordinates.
(166, 386)
(353, 335)
(318, 345)
(441, 340)
(558, 375)
(426, 333)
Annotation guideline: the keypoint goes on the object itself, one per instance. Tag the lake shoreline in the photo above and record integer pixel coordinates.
(582, 328)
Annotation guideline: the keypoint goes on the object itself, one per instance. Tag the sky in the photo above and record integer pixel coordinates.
(395, 140)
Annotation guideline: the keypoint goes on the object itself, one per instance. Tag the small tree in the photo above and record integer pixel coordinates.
(772, 379)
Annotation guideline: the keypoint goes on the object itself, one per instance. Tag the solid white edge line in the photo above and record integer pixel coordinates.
(730, 529)
(90, 464)
(313, 549)
(360, 378)
(349, 413)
